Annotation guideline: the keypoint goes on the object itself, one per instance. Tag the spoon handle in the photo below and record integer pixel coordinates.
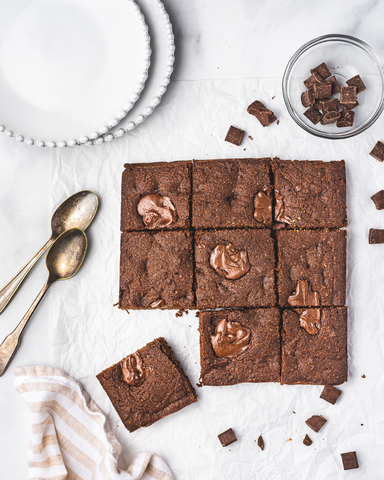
(7, 292)
(12, 341)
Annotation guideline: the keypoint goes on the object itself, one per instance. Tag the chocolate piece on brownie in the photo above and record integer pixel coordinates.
(346, 119)
(349, 460)
(155, 267)
(313, 193)
(139, 385)
(231, 193)
(313, 115)
(330, 117)
(322, 90)
(308, 97)
(240, 346)
(335, 85)
(155, 195)
(376, 236)
(322, 70)
(319, 359)
(234, 135)
(358, 83)
(227, 437)
(330, 394)
(316, 422)
(264, 115)
(378, 200)
(234, 268)
(312, 80)
(378, 151)
(348, 95)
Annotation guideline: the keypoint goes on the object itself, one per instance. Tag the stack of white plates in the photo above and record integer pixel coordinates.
(81, 72)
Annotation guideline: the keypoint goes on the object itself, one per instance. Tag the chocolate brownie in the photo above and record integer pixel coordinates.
(240, 346)
(147, 385)
(319, 359)
(317, 256)
(156, 270)
(156, 196)
(310, 194)
(234, 268)
(226, 193)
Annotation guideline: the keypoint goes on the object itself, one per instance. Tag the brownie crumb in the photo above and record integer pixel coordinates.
(307, 441)
(181, 312)
(260, 442)
(362, 376)
(278, 121)
(227, 437)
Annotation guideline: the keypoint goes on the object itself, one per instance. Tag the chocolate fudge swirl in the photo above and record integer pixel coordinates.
(157, 211)
(133, 370)
(231, 339)
(229, 262)
(279, 209)
(303, 296)
(263, 205)
(310, 320)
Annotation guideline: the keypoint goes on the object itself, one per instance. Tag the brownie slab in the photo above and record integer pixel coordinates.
(252, 257)
(169, 180)
(319, 359)
(314, 193)
(260, 359)
(224, 192)
(156, 270)
(318, 256)
(157, 385)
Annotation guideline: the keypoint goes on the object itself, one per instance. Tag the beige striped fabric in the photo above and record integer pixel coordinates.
(70, 437)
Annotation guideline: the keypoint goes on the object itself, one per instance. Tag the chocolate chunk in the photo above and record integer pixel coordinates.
(322, 70)
(265, 116)
(227, 437)
(312, 80)
(316, 422)
(378, 151)
(308, 97)
(307, 441)
(347, 95)
(346, 119)
(378, 200)
(330, 394)
(330, 117)
(330, 105)
(335, 85)
(234, 135)
(349, 106)
(376, 236)
(318, 105)
(323, 90)
(260, 442)
(358, 83)
(313, 115)
(349, 460)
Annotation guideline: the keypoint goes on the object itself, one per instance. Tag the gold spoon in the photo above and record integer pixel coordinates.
(64, 259)
(77, 211)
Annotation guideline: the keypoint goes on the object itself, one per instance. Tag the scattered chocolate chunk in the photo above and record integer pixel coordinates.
(358, 83)
(347, 95)
(376, 236)
(307, 441)
(349, 460)
(181, 312)
(265, 116)
(312, 80)
(378, 200)
(349, 106)
(335, 84)
(308, 97)
(323, 90)
(330, 394)
(227, 437)
(378, 151)
(260, 442)
(313, 115)
(346, 119)
(234, 135)
(330, 105)
(330, 117)
(322, 70)
(316, 422)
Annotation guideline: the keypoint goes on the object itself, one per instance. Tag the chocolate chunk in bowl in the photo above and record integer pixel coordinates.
(378, 151)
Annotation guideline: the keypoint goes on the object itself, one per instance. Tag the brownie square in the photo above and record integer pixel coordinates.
(319, 359)
(171, 181)
(313, 193)
(157, 385)
(247, 254)
(255, 354)
(317, 256)
(156, 270)
(224, 192)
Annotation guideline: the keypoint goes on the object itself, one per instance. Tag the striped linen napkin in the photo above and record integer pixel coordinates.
(70, 437)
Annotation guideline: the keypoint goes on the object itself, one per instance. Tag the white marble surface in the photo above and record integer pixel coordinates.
(226, 39)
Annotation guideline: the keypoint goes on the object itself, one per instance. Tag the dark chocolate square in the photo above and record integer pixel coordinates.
(376, 236)
(348, 95)
(316, 422)
(378, 200)
(322, 70)
(319, 359)
(166, 180)
(378, 151)
(357, 82)
(330, 105)
(313, 115)
(255, 360)
(322, 90)
(349, 460)
(255, 288)
(330, 117)
(330, 394)
(312, 80)
(234, 135)
(156, 270)
(264, 115)
(225, 192)
(227, 437)
(148, 396)
(335, 85)
(346, 119)
(310, 194)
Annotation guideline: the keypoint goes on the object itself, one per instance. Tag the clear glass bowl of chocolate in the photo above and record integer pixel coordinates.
(346, 57)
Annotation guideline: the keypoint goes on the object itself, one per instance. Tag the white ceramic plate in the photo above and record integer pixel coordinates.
(163, 56)
(69, 69)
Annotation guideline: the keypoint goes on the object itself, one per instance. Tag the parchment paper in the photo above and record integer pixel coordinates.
(89, 334)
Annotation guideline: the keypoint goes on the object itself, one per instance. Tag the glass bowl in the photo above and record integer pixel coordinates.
(346, 57)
